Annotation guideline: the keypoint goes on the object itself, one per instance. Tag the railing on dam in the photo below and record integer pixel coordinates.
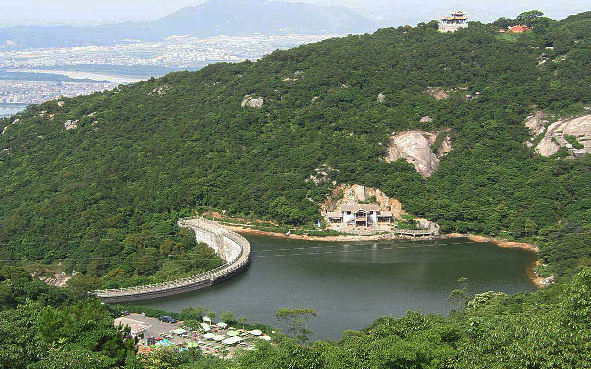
(234, 247)
(416, 233)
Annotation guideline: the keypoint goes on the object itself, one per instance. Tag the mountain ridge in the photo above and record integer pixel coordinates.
(215, 17)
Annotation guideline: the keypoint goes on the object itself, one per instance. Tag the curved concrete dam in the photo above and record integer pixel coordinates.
(230, 246)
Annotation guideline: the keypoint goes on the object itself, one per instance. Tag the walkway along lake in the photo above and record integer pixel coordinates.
(352, 284)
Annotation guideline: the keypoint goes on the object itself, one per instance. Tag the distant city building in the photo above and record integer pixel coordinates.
(453, 22)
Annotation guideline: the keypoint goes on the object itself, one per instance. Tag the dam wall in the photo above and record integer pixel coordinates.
(230, 246)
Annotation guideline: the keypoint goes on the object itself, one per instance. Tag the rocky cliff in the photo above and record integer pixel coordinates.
(416, 148)
(357, 194)
(573, 134)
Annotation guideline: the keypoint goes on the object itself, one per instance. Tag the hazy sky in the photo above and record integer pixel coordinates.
(105, 11)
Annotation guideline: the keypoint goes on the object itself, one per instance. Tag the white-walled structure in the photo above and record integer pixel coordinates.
(360, 215)
(453, 22)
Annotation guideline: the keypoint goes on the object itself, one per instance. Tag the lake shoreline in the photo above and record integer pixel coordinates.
(531, 271)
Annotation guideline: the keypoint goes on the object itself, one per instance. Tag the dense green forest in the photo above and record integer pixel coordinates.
(103, 199)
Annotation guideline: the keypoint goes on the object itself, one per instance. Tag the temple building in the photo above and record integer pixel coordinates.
(453, 22)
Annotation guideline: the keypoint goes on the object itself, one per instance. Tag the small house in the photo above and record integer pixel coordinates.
(359, 215)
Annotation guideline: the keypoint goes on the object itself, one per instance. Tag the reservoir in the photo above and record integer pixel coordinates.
(351, 284)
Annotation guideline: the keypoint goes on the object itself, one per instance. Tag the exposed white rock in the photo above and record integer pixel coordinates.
(315, 98)
(5, 128)
(70, 124)
(426, 119)
(322, 175)
(252, 102)
(545, 282)
(355, 194)
(381, 98)
(554, 139)
(445, 146)
(437, 93)
(60, 104)
(415, 147)
(547, 146)
(161, 90)
(536, 123)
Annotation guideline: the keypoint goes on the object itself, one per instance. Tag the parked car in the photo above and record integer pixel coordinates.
(167, 319)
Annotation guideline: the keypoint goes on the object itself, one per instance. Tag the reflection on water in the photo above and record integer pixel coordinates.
(352, 284)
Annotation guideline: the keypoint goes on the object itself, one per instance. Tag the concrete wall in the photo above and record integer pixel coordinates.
(224, 242)
(447, 27)
(229, 245)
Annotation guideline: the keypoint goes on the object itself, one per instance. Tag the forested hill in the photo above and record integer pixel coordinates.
(98, 182)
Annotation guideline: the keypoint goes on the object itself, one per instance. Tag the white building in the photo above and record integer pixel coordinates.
(364, 215)
(138, 328)
(454, 22)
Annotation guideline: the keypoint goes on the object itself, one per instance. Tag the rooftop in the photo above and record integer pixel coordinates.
(357, 207)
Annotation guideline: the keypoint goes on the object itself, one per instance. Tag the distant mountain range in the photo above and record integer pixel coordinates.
(215, 17)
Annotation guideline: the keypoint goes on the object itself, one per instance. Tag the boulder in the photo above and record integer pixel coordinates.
(437, 93)
(381, 98)
(159, 91)
(415, 147)
(535, 123)
(252, 102)
(70, 124)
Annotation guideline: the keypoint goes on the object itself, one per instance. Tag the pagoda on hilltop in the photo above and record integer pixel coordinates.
(453, 22)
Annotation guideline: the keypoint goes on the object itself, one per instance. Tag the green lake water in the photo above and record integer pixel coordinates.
(350, 284)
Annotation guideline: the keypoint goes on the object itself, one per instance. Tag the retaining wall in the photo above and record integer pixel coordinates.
(230, 246)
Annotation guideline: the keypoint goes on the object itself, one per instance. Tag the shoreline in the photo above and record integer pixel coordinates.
(497, 241)
(256, 232)
(537, 280)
